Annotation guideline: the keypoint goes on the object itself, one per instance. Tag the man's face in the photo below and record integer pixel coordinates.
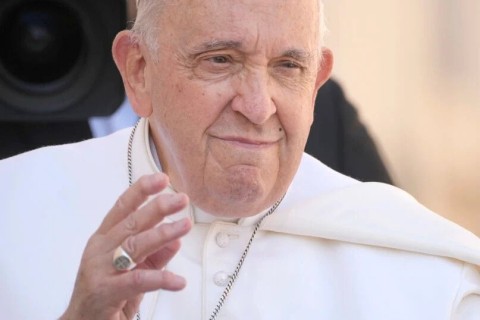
(232, 92)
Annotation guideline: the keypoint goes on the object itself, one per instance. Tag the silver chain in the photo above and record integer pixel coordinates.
(234, 276)
(129, 154)
(235, 273)
(130, 173)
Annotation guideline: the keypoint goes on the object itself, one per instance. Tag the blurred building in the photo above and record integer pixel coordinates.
(413, 69)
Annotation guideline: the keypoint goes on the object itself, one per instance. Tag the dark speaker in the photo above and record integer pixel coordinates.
(55, 59)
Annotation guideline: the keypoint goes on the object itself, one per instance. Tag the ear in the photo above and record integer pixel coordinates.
(131, 63)
(324, 70)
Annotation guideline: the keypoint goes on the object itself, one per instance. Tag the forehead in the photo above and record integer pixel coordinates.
(277, 22)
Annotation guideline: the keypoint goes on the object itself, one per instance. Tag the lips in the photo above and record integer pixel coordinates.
(247, 142)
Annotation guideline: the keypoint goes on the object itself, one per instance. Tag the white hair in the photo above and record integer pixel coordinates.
(148, 12)
(144, 28)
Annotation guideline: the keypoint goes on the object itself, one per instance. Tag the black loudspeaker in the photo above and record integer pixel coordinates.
(55, 59)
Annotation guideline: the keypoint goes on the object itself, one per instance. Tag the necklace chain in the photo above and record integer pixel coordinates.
(129, 154)
(234, 276)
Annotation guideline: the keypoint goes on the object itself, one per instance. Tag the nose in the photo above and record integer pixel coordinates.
(253, 98)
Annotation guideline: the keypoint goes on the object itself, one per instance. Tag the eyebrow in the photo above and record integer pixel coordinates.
(296, 54)
(215, 45)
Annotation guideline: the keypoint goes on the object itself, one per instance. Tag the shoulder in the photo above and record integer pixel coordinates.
(52, 200)
(313, 178)
(326, 204)
(64, 160)
(66, 176)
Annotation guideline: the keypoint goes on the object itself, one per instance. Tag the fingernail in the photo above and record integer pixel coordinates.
(181, 225)
(158, 177)
(180, 200)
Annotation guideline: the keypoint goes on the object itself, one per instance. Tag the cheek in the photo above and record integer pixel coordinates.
(296, 119)
(186, 108)
(179, 88)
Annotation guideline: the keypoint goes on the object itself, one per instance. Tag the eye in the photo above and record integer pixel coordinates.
(219, 59)
(290, 65)
(289, 69)
(216, 65)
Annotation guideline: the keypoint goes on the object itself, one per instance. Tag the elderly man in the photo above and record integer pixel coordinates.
(225, 89)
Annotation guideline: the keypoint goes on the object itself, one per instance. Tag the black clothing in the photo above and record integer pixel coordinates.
(341, 141)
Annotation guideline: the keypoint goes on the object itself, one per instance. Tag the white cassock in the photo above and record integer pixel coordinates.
(335, 249)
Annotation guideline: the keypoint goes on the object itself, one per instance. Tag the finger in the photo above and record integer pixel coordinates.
(141, 246)
(139, 281)
(133, 198)
(159, 259)
(147, 217)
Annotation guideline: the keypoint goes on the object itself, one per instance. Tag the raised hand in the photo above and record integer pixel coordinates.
(104, 292)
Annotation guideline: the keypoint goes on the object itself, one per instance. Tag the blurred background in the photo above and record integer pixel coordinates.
(410, 67)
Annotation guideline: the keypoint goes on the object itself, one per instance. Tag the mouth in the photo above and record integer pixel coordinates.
(248, 143)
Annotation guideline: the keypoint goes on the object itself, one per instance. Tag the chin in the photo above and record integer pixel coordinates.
(239, 191)
(239, 198)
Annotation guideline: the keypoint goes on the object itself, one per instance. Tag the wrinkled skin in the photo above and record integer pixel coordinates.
(229, 96)
(100, 291)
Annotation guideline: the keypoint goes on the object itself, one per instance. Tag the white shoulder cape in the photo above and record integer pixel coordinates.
(377, 214)
(54, 198)
(323, 203)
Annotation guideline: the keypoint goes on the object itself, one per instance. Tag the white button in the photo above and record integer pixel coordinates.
(221, 279)
(222, 239)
